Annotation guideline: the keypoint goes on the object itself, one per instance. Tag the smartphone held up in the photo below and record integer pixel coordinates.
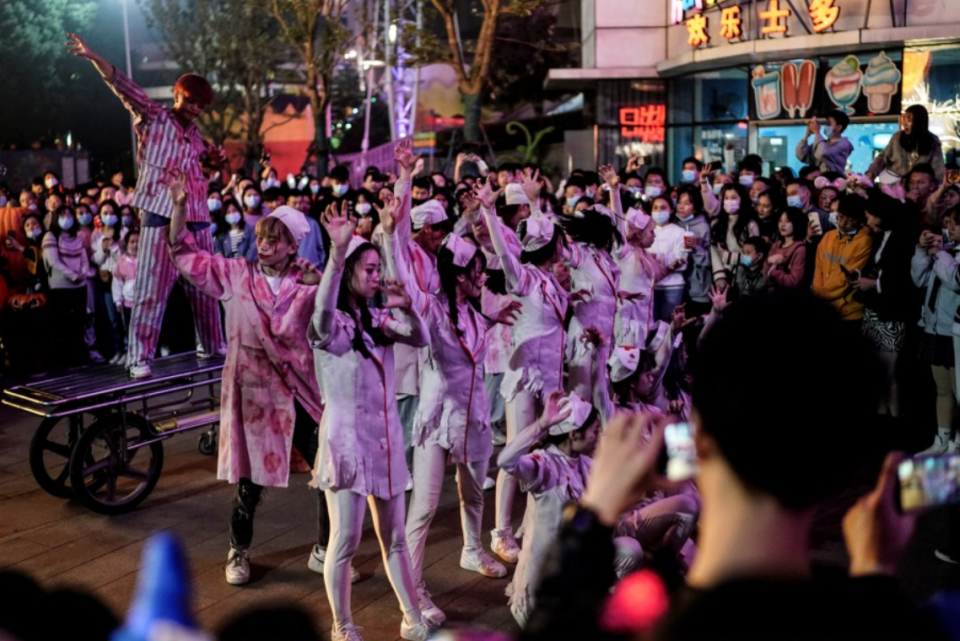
(929, 481)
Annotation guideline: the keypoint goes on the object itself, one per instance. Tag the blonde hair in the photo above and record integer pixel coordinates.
(271, 226)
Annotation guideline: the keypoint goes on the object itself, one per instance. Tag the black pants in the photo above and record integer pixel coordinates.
(68, 308)
(247, 498)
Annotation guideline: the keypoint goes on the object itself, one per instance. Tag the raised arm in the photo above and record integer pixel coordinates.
(340, 230)
(515, 457)
(402, 189)
(612, 179)
(133, 97)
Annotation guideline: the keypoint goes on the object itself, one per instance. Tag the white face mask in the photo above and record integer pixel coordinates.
(341, 189)
(652, 191)
(251, 201)
(731, 206)
(363, 208)
(35, 233)
(51, 183)
(66, 222)
(315, 188)
(213, 204)
(661, 217)
(717, 188)
(233, 218)
(746, 180)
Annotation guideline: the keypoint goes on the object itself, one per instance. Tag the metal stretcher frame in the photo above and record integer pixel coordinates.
(104, 458)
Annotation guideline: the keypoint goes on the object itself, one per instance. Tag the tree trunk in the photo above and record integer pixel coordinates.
(320, 141)
(472, 103)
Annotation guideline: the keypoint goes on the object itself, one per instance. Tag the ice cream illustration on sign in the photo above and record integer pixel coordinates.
(766, 92)
(881, 81)
(843, 83)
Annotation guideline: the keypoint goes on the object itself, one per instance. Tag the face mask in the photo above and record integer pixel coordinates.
(86, 219)
(108, 219)
(127, 221)
(363, 208)
(3, 201)
(35, 234)
(832, 217)
(592, 194)
(233, 218)
(685, 219)
(65, 222)
(213, 229)
(94, 207)
(828, 132)
(572, 201)
(315, 189)
(251, 201)
(51, 183)
(341, 189)
(746, 261)
(32, 207)
(794, 201)
(213, 204)
(652, 191)
(660, 217)
(755, 201)
(272, 182)
(688, 176)
(746, 180)
(731, 206)
(717, 189)
(634, 191)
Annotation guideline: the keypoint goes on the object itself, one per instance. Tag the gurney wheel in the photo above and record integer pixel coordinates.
(114, 468)
(50, 452)
(207, 444)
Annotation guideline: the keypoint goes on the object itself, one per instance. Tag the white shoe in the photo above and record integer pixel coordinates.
(416, 631)
(347, 632)
(238, 567)
(116, 359)
(318, 555)
(409, 487)
(428, 609)
(504, 546)
(141, 370)
(479, 561)
(488, 484)
(941, 445)
(946, 558)
(498, 437)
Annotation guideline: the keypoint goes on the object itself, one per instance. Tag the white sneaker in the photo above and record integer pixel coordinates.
(415, 631)
(940, 446)
(348, 632)
(116, 359)
(488, 484)
(480, 561)
(945, 557)
(238, 567)
(318, 555)
(498, 437)
(409, 487)
(141, 370)
(428, 609)
(504, 546)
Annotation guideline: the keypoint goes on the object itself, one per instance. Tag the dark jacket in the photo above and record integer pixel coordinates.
(896, 298)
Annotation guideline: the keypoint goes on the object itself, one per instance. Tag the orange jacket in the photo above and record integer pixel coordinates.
(829, 281)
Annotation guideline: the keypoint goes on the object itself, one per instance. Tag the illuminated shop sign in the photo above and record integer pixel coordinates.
(772, 17)
(646, 123)
(866, 84)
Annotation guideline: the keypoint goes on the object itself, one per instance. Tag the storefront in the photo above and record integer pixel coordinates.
(747, 76)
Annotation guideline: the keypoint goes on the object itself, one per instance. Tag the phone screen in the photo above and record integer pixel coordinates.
(929, 481)
(681, 451)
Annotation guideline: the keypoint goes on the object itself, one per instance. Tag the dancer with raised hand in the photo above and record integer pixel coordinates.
(361, 458)
(270, 401)
(535, 367)
(170, 145)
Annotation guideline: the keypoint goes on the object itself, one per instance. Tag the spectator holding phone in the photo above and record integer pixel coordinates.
(841, 255)
(830, 149)
(753, 575)
(912, 145)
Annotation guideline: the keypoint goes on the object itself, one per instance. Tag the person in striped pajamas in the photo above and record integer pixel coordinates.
(170, 146)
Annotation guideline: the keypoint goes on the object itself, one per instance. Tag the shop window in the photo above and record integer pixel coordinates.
(931, 77)
(631, 121)
(777, 144)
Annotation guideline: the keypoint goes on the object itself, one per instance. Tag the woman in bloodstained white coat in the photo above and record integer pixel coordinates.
(554, 473)
(535, 367)
(453, 419)
(269, 400)
(360, 458)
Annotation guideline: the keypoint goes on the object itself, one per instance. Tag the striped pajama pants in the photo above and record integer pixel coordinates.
(156, 275)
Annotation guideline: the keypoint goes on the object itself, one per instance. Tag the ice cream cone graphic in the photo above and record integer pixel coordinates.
(843, 83)
(880, 82)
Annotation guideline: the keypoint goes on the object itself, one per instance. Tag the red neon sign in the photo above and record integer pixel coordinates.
(647, 122)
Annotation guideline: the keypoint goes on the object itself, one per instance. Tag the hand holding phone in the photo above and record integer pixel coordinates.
(929, 481)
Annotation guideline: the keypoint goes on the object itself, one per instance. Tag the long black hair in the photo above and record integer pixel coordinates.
(744, 215)
(365, 321)
(449, 271)
(592, 227)
(920, 139)
(545, 253)
(55, 228)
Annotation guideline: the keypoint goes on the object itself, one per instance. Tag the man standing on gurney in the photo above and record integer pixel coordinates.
(170, 145)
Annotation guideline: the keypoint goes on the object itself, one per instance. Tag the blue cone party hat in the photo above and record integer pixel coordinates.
(161, 604)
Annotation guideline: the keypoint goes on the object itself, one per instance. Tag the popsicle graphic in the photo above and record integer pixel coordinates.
(844, 82)
(880, 82)
(766, 92)
(797, 87)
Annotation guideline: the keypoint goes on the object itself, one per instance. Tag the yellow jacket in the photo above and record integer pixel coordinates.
(829, 281)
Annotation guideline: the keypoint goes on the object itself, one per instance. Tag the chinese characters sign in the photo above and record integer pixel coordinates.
(646, 123)
(856, 85)
(772, 18)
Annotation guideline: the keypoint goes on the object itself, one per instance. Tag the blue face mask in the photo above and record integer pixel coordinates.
(65, 222)
(717, 188)
(652, 191)
(232, 218)
(108, 219)
(213, 229)
(688, 176)
(746, 261)
(794, 201)
(213, 204)
(746, 180)
(572, 201)
(828, 132)
(127, 221)
(342, 189)
(661, 217)
(86, 219)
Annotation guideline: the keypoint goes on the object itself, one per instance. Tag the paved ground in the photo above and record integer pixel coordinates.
(60, 543)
